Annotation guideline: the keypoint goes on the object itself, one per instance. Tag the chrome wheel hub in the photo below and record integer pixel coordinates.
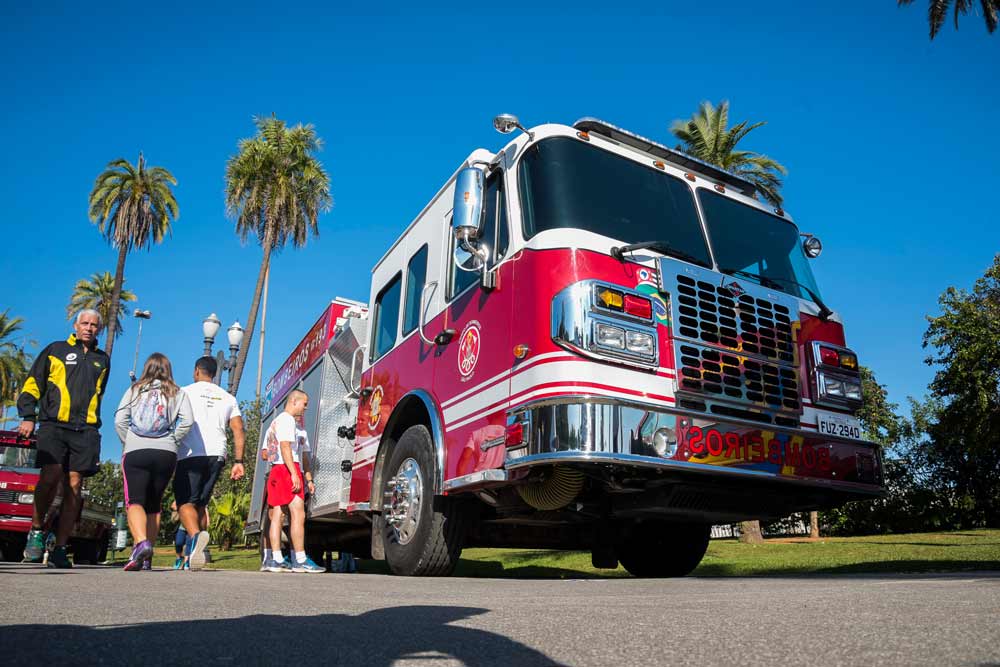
(401, 501)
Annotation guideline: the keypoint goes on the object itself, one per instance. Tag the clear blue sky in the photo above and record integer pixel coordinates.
(890, 140)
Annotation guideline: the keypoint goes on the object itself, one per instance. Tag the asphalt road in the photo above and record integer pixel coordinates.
(104, 616)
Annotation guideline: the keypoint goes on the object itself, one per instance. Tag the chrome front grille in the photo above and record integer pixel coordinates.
(734, 345)
(709, 371)
(9, 496)
(747, 324)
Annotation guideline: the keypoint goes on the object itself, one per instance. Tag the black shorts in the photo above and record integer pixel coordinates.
(147, 473)
(196, 477)
(75, 451)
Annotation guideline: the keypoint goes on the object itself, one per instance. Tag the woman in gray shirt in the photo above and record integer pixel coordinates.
(153, 416)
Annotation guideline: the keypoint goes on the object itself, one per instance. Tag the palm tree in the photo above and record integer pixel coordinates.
(14, 361)
(133, 207)
(706, 136)
(228, 513)
(938, 10)
(275, 190)
(96, 293)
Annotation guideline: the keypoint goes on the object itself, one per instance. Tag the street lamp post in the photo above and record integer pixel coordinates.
(139, 315)
(210, 327)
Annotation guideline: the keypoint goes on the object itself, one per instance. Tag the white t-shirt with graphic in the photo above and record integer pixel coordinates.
(284, 428)
(213, 407)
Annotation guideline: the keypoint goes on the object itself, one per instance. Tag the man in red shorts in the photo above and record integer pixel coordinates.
(287, 448)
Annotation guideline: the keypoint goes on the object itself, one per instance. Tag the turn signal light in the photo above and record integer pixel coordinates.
(849, 361)
(609, 298)
(636, 306)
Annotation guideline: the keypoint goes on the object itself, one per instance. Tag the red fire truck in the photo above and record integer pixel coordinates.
(585, 340)
(18, 478)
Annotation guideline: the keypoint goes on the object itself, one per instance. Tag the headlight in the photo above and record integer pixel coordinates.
(610, 336)
(665, 442)
(852, 390)
(636, 341)
(833, 387)
(26, 498)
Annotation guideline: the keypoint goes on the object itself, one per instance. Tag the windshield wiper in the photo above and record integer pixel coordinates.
(662, 247)
(770, 281)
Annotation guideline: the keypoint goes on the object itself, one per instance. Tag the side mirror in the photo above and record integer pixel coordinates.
(467, 213)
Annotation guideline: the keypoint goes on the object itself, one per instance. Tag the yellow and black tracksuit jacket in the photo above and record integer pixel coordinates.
(65, 385)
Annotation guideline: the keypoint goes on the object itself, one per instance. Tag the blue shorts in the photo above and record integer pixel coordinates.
(195, 478)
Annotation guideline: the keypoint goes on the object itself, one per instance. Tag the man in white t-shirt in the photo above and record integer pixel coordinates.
(286, 446)
(202, 455)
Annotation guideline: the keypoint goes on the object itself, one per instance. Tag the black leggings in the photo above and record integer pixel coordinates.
(147, 473)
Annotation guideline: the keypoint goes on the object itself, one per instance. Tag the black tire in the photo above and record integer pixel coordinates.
(656, 549)
(102, 548)
(435, 544)
(12, 547)
(85, 551)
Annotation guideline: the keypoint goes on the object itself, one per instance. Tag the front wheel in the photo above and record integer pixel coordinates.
(662, 548)
(422, 534)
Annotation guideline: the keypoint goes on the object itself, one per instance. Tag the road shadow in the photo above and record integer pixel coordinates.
(378, 638)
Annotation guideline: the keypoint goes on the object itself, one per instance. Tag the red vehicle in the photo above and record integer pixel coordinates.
(585, 340)
(18, 479)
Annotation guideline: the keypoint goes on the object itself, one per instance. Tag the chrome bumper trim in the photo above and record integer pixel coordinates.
(633, 460)
(475, 479)
(573, 399)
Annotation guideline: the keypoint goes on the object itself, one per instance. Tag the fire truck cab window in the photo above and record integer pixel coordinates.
(386, 317)
(567, 183)
(416, 274)
(495, 234)
(748, 239)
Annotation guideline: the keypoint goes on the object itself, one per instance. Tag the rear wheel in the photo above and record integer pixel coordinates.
(12, 547)
(655, 548)
(422, 534)
(86, 551)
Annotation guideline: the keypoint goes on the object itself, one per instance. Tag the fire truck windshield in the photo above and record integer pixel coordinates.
(761, 246)
(566, 183)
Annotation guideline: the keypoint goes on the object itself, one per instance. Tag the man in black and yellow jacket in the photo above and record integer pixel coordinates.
(63, 394)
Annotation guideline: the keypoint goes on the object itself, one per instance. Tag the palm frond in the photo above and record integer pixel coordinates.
(97, 292)
(706, 136)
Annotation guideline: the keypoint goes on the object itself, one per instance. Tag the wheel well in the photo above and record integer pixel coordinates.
(410, 411)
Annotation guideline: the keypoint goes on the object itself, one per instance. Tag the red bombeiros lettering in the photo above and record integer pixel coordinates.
(752, 448)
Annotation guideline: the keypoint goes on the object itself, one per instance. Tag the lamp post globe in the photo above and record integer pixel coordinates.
(210, 327)
(235, 335)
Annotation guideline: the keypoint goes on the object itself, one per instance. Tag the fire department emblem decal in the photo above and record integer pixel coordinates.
(468, 349)
(375, 407)
(735, 289)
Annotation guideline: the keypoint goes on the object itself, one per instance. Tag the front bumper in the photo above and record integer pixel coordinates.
(692, 447)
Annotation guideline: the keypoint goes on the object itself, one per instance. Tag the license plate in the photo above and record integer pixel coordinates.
(839, 425)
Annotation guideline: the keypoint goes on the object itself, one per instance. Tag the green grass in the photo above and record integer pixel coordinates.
(917, 552)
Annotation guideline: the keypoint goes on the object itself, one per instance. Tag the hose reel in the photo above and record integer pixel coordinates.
(555, 492)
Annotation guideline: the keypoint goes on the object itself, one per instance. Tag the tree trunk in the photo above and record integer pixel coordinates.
(263, 324)
(750, 532)
(241, 359)
(116, 295)
(814, 525)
